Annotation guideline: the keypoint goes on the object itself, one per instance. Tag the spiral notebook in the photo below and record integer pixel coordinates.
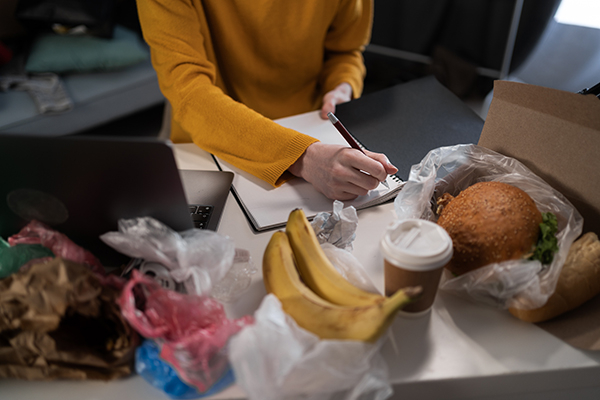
(268, 208)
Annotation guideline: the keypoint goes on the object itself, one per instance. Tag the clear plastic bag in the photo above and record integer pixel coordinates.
(517, 283)
(161, 375)
(275, 359)
(198, 259)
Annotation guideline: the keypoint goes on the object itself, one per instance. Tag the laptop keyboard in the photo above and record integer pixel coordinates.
(200, 215)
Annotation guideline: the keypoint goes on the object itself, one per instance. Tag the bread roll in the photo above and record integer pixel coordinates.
(579, 281)
(489, 222)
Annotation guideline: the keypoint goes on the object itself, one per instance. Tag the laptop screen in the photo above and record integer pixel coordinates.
(82, 186)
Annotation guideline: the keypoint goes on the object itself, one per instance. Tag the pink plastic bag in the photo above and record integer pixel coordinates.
(36, 232)
(192, 331)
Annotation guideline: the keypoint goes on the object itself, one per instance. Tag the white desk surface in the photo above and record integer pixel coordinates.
(460, 351)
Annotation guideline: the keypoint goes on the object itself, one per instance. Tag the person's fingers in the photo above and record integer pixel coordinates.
(337, 171)
(364, 182)
(369, 165)
(328, 106)
(390, 169)
(341, 94)
(345, 178)
(329, 102)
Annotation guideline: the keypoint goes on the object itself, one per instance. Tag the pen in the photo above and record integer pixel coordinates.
(348, 137)
(595, 90)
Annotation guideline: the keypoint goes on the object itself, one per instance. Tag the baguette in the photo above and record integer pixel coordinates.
(579, 281)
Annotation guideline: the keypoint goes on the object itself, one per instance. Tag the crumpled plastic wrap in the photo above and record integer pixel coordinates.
(58, 320)
(205, 262)
(336, 232)
(192, 331)
(275, 359)
(517, 283)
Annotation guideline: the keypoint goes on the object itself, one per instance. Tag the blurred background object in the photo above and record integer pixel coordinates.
(466, 44)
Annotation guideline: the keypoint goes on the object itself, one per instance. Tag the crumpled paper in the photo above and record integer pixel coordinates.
(336, 232)
(337, 227)
(57, 320)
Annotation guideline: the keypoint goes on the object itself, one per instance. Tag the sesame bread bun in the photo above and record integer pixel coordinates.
(489, 222)
(579, 281)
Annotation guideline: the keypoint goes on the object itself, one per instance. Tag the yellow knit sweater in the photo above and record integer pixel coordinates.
(228, 67)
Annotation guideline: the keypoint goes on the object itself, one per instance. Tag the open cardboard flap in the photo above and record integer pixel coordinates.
(556, 134)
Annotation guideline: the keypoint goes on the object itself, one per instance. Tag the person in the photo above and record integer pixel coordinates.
(229, 67)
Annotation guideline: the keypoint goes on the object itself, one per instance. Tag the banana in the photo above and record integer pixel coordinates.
(317, 271)
(311, 312)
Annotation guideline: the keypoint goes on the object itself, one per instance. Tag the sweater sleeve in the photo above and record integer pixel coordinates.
(345, 42)
(215, 122)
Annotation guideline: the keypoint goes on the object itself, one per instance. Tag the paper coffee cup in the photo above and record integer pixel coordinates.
(414, 253)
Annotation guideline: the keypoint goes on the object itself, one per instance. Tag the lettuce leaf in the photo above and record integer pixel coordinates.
(547, 243)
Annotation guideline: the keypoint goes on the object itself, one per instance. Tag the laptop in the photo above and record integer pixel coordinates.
(82, 187)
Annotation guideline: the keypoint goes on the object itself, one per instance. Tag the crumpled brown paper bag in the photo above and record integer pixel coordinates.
(57, 320)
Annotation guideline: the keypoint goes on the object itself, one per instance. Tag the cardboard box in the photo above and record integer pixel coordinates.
(556, 134)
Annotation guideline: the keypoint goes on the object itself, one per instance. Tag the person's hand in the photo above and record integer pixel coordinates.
(341, 94)
(340, 172)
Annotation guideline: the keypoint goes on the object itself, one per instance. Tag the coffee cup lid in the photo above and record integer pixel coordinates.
(417, 244)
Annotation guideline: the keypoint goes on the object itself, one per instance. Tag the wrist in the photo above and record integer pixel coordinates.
(299, 166)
